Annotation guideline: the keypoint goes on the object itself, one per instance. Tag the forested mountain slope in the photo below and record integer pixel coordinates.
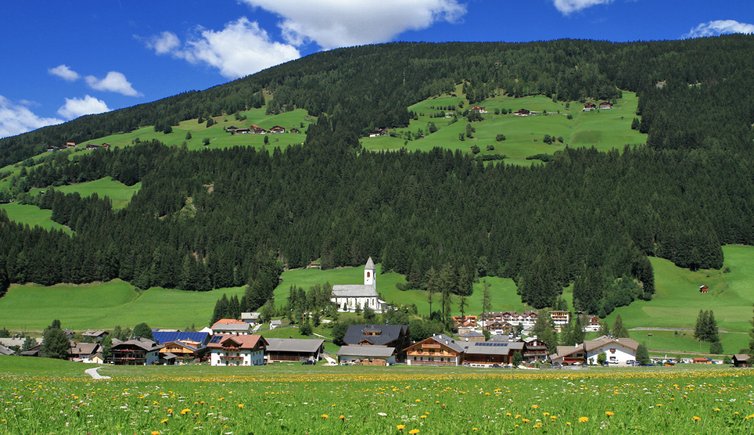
(225, 217)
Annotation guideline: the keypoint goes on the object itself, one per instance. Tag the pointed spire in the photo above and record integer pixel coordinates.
(369, 265)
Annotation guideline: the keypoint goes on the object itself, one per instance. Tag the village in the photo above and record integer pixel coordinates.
(490, 340)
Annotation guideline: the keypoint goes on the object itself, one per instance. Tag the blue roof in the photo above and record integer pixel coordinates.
(165, 337)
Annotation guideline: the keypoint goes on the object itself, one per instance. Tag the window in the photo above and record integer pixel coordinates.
(369, 274)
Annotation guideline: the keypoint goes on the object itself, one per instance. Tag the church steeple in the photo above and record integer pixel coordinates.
(369, 278)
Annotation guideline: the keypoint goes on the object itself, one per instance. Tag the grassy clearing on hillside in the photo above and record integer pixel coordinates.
(32, 307)
(33, 216)
(602, 129)
(502, 290)
(120, 194)
(677, 301)
(296, 399)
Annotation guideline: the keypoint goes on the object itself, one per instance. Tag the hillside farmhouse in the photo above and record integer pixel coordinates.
(438, 350)
(231, 327)
(294, 350)
(139, 351)
(395, 336)
(367, 355)
(352, 296)
(237, 350)
(491, 352)
(618, 351)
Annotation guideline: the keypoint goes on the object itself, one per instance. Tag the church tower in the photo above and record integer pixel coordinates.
(369, 278)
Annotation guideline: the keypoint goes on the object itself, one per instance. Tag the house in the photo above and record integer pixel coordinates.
(34, 351)
(569, 355)
(231, 129)
(534, 350)
(106, 146)
(588, 107)
(5, 351)
(95, 334)
(162, 336)
(278, 129)
(357, 296)
(295, 130)
(522, 112)
(619, 351)
(70, 144)
(240, 131)
(251, 318)
(478, 109)
(500, 328)
(559, 318)
(255, 129)
(471, 337)
(701, 361)
(491, 352)
(439, 350)
(83, 352)
(139, 351)
(275, 324)
(377, 132)
(294, 349)
(464, 321)
(526, 319)
(92, 146)
(703, 288)
(593, 324)
(741, 360)
(396, 336)
(181, 351)
(606, 105)
(231, 327)
(237, 350)
(367, 355)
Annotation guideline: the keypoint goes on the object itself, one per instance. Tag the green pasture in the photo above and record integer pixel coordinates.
(33, 216)
(602, 129)
(31, 307)
(120, 194)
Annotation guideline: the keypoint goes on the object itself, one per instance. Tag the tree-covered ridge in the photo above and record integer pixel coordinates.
(371, 86)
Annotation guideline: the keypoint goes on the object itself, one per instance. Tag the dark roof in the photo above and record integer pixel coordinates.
(367, 351)
(388, 333)
(166, 337)
(493, 348)
(294, 344)
(142, 343)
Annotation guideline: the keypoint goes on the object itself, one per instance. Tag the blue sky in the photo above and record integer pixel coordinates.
(66, 58)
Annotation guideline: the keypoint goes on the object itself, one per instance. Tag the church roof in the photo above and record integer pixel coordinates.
(369, 265)
(353, 291)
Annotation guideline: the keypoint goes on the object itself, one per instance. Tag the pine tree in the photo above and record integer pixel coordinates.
(486, 301)
(143, 330)
(642, 355)
(577, 331)
(604, 328)
(700, 321)
(619, 331)
(716, 348)
(55, 344)
(711, 332)
(107, 345)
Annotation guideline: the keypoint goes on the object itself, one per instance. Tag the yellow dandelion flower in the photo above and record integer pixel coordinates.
(525, 420)
(400, 427)
(583, 419)
(240, 405)
(342, 417)
(418, 400)
(609, 413)
(164, 421)
(170, 410)
(413, 431)
(553, 417)
(155, 432)
(716, 409)
(696, 418)
(325, 416)
(534, 406)
(545, 413)
(474, 429)
(423, 416)
(749, 417)
(537, 425)
(185, 411)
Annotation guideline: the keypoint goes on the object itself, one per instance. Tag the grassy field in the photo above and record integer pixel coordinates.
(47, 396)
(677, 302)
(120, 194)
(32, 307)
(33, 216)
(602, 129)
(502, 290)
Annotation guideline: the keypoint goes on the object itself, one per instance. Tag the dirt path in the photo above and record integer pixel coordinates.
(93, 373)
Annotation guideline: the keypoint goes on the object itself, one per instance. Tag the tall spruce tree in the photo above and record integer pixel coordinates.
(619, 331)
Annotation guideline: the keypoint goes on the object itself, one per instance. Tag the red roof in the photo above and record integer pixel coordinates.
(239, 341)
(219, 323)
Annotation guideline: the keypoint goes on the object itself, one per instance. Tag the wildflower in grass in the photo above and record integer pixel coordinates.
(155, 432)
(749, 417)
(423, 416)
(609, 413)
(537, 425)
(324, 416)
(342, 417)
(716, 409)
(553, 417)
(418, 400)
(525, 420)
(240, 405)
(534, 406)
(583, 419)
(696, 418)
(474, 429)
(170, 410)
(400, 427)
(185, 411)
(164, 421)
(413, 431)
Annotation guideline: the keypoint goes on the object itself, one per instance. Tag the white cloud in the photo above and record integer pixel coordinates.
(717, 27)
(339, 23)
(17, 118)
(75, 107)
(114, 81)
(567, 7)
(240, 48)
(64, 72)
(163, 43)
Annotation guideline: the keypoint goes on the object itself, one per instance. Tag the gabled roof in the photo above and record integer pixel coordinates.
(240, 341)
(442, 340)
(493, 348)
(230, 325)
(356, 334)
(142, 343)
(83, 348)
(183, 344)
(250, 316)
(369, 265)
(470, 334)
(94, 333)
(367, 351)
(354, 291)
(163, 337)
(4, 351)
(741, 357)
(605, 341)
(294, 345)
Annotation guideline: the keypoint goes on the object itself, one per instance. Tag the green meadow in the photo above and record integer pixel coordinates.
(33, 216)
(118, 193)
(601, 129)
(32, 307)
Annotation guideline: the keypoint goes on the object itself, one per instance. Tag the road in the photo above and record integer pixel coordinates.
(93, 373)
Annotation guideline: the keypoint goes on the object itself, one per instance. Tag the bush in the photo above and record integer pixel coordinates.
(475, 149)
(490, 147)
(716, 348)
(500, 137)
(205, 142)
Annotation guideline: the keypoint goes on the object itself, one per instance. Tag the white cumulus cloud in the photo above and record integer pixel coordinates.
(567, 7)
(114, 81)
(64, 72)
(75, 107)
(339, 23)
(163, 43)
(16, 118)
(718, 27)
(239, 49)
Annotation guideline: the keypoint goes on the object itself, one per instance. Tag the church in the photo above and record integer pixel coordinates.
(348, 297)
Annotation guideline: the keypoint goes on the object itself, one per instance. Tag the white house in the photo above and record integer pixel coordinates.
(237, 350)
(618, 351)
(349, 297)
